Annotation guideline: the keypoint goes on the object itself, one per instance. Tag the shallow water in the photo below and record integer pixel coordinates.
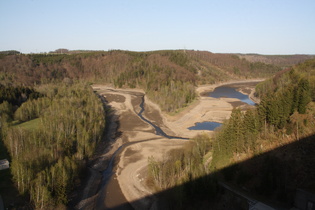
(205, 126)
(229, 92)
(222, 92)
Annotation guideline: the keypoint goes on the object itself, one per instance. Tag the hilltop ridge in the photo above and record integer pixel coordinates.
(278, 60)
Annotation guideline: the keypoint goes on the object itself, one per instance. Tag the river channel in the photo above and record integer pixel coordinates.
(227, 91)
(107, 175)
(109, 171)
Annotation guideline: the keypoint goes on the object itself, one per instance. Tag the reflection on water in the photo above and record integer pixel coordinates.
(205, 126)
(229, 92)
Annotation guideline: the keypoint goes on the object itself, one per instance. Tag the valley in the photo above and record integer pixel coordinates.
(138, 140)
(116, 128)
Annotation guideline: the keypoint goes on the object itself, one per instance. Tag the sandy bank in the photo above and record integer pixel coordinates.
(204, 109)
(141, 142)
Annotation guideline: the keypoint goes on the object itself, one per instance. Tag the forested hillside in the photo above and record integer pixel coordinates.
(244, 151)
(51, 120)
(278, 60)
(50, 138)
(168, 77)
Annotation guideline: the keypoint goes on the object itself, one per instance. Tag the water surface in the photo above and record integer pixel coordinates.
(205, 126)
(229, 92)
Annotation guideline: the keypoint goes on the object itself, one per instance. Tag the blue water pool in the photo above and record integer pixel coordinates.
(205, 126)
(229, 92)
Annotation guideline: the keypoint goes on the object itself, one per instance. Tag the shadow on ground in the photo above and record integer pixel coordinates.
(271, 179)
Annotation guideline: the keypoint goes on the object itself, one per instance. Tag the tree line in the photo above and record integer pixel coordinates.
(168, 75)
(286, 113)
(50, 138)
(180, 169)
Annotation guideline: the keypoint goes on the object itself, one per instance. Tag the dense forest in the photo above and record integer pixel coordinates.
(50, 138)
(168, 77)
(243, 152)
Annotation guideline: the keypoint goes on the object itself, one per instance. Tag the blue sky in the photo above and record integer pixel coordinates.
(220, 26)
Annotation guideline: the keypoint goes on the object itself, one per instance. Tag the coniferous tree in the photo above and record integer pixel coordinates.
(303, 95)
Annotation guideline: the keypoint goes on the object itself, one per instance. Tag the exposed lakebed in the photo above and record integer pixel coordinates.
(225, 91)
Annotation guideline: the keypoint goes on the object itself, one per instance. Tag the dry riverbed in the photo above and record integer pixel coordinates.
(127, 186)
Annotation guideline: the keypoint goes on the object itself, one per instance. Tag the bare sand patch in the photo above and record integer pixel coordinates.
(131, 177)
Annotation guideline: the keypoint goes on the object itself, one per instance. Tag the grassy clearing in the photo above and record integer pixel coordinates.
(29, 125)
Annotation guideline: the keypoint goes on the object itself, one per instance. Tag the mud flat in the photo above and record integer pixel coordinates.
(126, 188)
(208, 109)
(139, 141)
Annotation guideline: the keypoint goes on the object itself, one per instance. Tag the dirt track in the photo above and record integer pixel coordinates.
(127, 183)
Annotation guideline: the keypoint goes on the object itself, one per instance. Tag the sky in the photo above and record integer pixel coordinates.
(219, 26)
